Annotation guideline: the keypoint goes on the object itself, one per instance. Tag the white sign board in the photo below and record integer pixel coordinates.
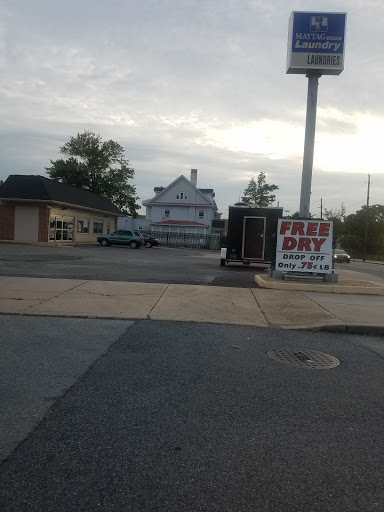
(304, 246)
(316, 42)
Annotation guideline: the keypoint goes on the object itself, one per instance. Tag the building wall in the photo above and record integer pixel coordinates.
(183, 213)
(26, 223)
(43, 234)
(81, 218)
(7, 221)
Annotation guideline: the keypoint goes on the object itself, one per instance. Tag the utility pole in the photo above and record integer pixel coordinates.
(366, 220)
(321, 208)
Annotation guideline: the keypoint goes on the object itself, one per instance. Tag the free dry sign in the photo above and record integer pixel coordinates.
(304, 246)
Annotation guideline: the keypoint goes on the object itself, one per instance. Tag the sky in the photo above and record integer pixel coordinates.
(202, 84)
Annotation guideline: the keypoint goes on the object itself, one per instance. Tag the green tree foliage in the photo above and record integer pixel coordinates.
(98, 166)
(259, 192)
(338, 218)
(354, 229)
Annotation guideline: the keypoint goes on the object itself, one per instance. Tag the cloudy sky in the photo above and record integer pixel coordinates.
(186, 84)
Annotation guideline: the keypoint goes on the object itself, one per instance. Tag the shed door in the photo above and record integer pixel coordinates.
(253, 238)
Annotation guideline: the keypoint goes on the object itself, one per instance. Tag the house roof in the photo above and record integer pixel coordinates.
(38, 188)
(179, 223)
(162, 190)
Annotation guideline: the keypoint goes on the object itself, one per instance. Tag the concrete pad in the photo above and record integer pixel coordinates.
(289, 308)
(354, 309)
(345, 286)
(82, 303)
(116, 288)
(34, 288)
(209, 304)
(16, 305)
(334, 298)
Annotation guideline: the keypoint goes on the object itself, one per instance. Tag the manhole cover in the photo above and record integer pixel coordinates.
(304, 358)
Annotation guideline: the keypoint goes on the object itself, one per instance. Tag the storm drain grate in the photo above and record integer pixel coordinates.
(304, 358)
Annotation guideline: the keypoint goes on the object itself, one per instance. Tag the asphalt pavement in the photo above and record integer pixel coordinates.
(185, 416)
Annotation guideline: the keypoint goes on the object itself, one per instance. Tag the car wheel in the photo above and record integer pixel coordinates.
(104, 242)
(222, 263)
(148, 244)
(134, 245)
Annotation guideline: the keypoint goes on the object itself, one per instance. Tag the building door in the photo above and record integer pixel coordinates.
(253, 238)
(61, 228)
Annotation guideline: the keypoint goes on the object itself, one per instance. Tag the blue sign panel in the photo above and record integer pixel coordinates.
(316, 42)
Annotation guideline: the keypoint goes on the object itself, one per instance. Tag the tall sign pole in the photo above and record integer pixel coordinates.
(309, 145)
(315, 48)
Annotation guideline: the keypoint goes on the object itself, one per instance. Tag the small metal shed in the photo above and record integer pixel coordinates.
(251, 235)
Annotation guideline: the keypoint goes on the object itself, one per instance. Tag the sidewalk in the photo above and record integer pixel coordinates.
(287, 307)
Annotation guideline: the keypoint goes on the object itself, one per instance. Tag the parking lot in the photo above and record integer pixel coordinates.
(120, 263)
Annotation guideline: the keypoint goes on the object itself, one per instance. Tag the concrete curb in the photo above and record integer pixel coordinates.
(348, 328)
(375, 289)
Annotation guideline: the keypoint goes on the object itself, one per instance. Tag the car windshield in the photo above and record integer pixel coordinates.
(339, 251)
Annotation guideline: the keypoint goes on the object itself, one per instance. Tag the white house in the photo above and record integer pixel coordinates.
(181, 207)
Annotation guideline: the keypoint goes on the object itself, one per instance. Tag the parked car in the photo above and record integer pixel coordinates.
(149, 240)
(340, 256)
(121, 237)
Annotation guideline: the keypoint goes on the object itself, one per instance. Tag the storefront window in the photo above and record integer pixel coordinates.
(82, 225)
(98, 226)
(61, 228)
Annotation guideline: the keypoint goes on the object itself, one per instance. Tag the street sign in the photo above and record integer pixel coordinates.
(304, 246)
(316, 43)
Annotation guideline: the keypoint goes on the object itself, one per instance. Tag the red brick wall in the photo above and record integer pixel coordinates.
(7, 222)
(43, 224)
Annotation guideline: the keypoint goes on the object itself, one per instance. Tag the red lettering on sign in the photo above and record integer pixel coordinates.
(289, 243)
(318, 242)
(324, 229)
(297, 228)
(312, 229)
(285, 226)
(304, 244)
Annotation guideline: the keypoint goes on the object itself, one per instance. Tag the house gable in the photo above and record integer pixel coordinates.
(180, 192)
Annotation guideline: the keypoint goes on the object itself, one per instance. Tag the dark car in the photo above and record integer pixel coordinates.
(121, 237)
(149, 240)
(340, 256)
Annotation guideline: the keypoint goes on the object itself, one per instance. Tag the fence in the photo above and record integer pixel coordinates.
(191, 241)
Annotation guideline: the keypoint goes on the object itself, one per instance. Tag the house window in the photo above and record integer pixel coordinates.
(201, 214)
(82, 225)
(185, 197)
(177, 197)
(98, 226)
(167, 213)
(182, 196)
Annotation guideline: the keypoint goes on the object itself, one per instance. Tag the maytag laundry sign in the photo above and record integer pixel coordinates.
(316, 43)
(304, 246)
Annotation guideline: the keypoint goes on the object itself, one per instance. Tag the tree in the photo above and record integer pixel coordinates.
(259, 192)
(338, 218)
(97, 166)
(354, 230)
